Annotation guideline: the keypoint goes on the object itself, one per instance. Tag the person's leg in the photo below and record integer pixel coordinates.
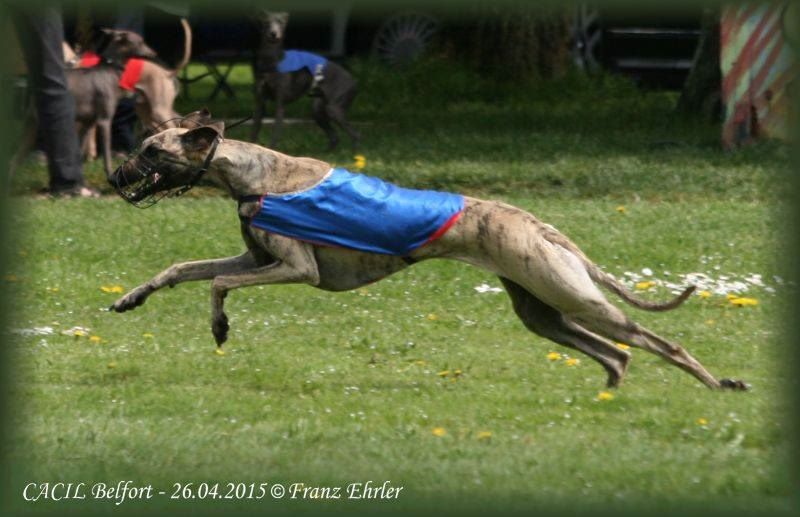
(42, 33)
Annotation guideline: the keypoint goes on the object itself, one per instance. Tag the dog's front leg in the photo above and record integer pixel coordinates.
(184, 272)
(278, 125)
(258, 113)
(296, 265)
(104, 126)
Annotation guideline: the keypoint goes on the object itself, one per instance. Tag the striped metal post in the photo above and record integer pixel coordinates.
(758, 65)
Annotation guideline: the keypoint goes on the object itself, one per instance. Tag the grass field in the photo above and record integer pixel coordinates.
(422, 379)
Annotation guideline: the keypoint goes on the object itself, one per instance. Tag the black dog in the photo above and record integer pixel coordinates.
(284, 76)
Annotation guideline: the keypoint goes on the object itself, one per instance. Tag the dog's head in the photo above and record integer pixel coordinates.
(120, 45)
(170, 162)
(272, 25)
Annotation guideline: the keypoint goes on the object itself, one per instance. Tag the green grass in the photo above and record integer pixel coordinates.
(325, 388)
(329, 389)
(577, 137)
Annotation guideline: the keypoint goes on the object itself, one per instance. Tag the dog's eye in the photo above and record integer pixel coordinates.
(150, 152)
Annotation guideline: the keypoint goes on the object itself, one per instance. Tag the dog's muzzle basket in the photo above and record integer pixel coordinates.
(140, 180)
(137, 182)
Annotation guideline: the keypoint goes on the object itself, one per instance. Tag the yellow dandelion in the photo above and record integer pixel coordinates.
(710, 322)
(78, 333)
(647, 284)
(702, 421)
(359, 161)
(112, 365)
(148, 335)
(52, 289)
(621, 209)
(420, 362)
(553, 356)
(484, 435)
(433, 317)
(456, 372)
(219, 351)
(95, 339)
(439, 431)
(572, 361)
(744, 302)
(112, 289)
(704, 294)
(443, 373)
(622, 346)
(605, 395)
(731, 296)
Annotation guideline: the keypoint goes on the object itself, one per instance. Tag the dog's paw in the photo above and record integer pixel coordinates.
(220, 327)
(735, 385)
(131, 300)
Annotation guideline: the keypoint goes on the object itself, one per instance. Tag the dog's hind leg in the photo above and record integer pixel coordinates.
(612, 323)
(337, 114)
(549, 323)
(322, 119)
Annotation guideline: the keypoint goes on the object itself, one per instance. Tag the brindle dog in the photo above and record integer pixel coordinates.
(552, 284)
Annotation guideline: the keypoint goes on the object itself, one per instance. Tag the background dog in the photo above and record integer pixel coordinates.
(335, 92)
(96, 91)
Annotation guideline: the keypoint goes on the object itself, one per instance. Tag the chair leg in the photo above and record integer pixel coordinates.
(222, 80)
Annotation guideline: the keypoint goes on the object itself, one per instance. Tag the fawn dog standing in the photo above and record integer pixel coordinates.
(552, 284)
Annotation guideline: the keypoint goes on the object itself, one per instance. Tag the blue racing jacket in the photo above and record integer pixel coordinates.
(360, 212)
(294, 60)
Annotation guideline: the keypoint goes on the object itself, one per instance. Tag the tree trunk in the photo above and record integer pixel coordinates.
(701, 92)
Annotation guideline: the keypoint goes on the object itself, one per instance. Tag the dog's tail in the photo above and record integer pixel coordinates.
(187, 45)
(611, 283)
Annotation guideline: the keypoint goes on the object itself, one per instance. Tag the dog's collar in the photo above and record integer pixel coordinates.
(248, 198)
(207, 162)
(198, 174)
(113, 63)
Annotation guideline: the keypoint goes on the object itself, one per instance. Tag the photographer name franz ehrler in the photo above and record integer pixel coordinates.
(127, 491)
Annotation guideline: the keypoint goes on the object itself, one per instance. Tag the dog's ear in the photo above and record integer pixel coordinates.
(201, 138)
(219, 126)
(196, 118)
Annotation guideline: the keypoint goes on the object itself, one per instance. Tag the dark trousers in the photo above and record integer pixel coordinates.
(41, 32)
